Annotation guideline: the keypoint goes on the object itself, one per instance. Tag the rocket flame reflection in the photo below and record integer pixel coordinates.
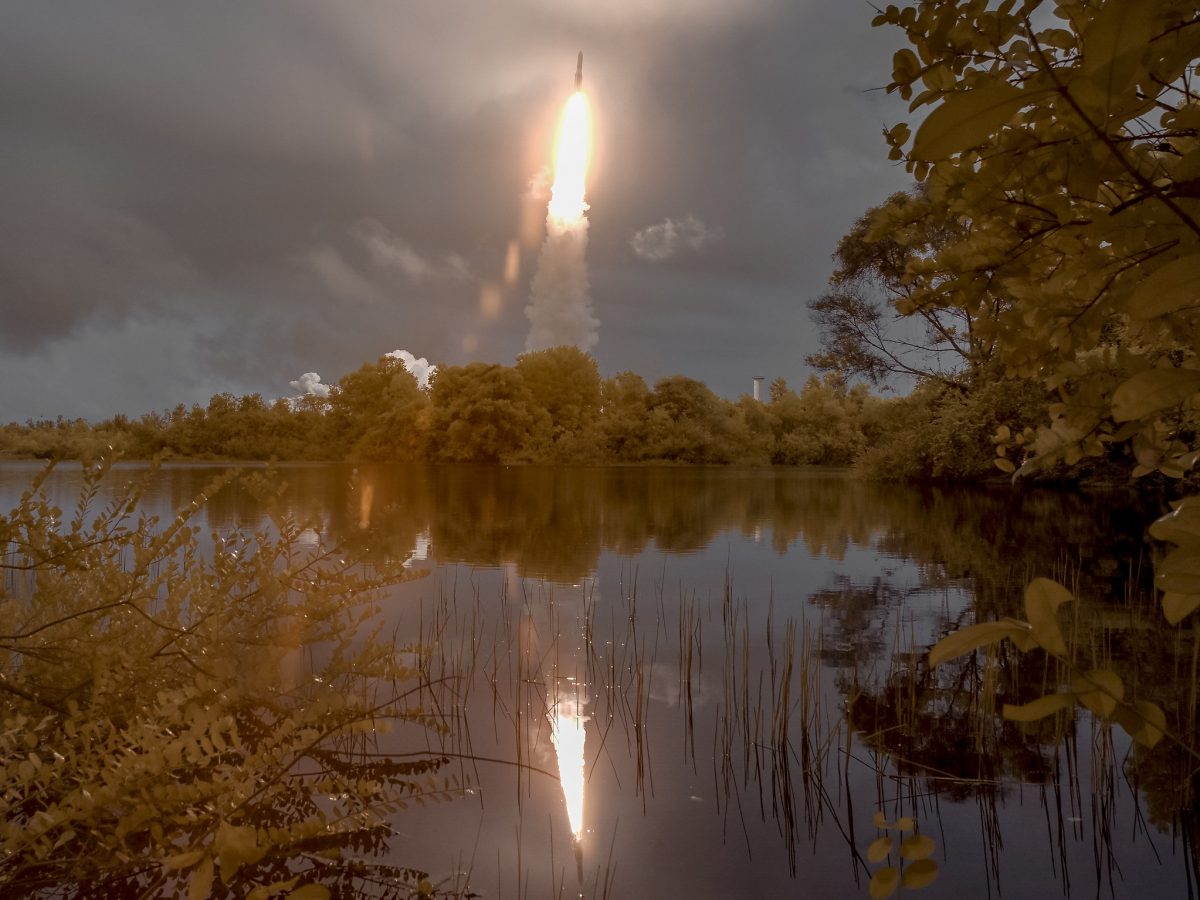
(569, 736)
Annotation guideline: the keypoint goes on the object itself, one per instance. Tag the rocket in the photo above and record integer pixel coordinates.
(579, 73)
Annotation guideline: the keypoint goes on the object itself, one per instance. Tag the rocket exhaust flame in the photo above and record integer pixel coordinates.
(560, 308)
(571, 160)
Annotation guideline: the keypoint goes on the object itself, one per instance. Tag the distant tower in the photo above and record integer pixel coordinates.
(758, 380)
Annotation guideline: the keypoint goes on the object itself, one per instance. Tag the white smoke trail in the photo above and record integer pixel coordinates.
(560, 307)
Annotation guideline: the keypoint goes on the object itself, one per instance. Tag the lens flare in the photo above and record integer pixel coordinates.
(571, 160)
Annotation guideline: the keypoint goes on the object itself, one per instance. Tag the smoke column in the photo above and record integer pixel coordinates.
(560, 307)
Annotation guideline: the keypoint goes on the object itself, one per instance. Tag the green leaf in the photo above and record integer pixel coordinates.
(182, 860)
(1180, 526)
(964, 640)
(1113, 47)
(967, 118)
(880, 820)
(918, 846)
(1179, 573)
(900, 134)
(1022, 636)
(1168, 289)
(1153, 390)
(1177, 607)
(883, 883)
(1100, 690)
(264, 891)
(310, 892)
(879, 849)
(200, 885)
(1004, 465)
(920, 874)
(1043, 597)
(1039, 708)
(236, 846)
(905, 823)
(1145, 722)
(905, 65)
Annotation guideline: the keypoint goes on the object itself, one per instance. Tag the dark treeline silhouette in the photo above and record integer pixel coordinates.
(553, 406)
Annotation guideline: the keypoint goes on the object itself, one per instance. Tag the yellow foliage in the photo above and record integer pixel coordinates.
(155, 708)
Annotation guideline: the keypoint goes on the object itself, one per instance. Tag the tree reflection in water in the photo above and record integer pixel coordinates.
(763, 718)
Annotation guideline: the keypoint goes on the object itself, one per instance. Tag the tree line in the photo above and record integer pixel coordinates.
(552, 406)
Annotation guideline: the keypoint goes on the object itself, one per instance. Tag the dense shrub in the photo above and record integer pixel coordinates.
(940, 433)
(168, 716)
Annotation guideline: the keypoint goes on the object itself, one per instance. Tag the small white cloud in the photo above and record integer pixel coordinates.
(420, 368)
(309, 384)
(671, 237)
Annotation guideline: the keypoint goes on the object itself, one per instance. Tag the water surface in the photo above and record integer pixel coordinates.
(706, 682)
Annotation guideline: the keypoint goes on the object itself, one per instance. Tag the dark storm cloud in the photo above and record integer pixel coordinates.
(68, 256)
(272, 188)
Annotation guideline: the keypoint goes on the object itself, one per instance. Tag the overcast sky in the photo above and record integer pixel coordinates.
(211, 196)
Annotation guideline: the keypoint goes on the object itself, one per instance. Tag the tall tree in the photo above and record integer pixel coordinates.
(379, 412)
(689, 423)
(624, 416)
(565, 382)
(1071, 148)
(872, 328)
(485, 413)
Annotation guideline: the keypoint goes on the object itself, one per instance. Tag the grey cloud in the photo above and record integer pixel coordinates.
(367, 263)
(341, 278)
(389, 252)
(279, 187)
(671, 237)
(67, 257)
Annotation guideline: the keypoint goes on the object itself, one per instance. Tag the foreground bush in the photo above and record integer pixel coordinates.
(174, 719)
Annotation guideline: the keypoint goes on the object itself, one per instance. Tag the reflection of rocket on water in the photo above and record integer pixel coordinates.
(567, 702)
(555, 631)
(568, 733)
(567, 696)
(579, 73)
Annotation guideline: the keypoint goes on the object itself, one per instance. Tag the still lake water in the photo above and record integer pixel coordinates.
(715, 678)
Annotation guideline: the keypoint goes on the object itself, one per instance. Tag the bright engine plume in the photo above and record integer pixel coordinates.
(560, 308)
